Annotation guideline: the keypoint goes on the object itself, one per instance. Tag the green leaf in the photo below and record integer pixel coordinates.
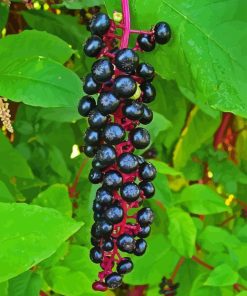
(26, 284)
(39, 82)
(222, 275)
(30, 235)
(60, 114)
(162, 190)
(202, 200)
(4, 13)
(199, 130)
(199, 290)
(243, 293)
(158, 255)
(57, 25)
(56, 197)
(80, 4)
(164, 168)
(5, 195)
(31, 43)
(9, 158)
(159, 124)
(182, 231)
(204, 61)
(216, 239)
(4, 289)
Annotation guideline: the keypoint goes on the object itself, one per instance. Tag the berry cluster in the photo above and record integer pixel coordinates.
(125, 90)
(167, 287)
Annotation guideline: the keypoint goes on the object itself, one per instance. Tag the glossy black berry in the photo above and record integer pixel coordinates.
(112, 180)
(93, 46)
(147, 171)
(89, 151)
(96, 164)
(145, 217)
(147, 188)
(96, 119)
(130, 192)
(125, 266)
(114, 214)
(90, 86)
(133, 110)
(144, 231)
(99, 24)
(106, 155)
(113, 134)
(126, 243)
(141, 247)
(102, 70)
(95, 241)
(95, 176)
(124, 86)
(104, 227)
(140, 138)
(108, 245)
(127, 162)
(145, 71)
(108, 103)
(97, 216)
(149, 92)
(126, 60)
(147, 115)
(96, 255)
(97, 207)
(86, 105)
(104, 196)
(146, 42)
(140, 159)
(162, 33)
(113, 280)
(92, 137)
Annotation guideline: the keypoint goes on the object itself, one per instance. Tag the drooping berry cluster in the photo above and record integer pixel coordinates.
(125, 89)
(167, 287)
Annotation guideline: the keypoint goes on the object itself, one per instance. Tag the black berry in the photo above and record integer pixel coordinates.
(96, 119)
(90, 86)
(144, 231)
(162, 33)
(108, 103)
(145, 71)
(147, 171)
(126, 243)
(127, 162)
(112, 180)
(100, 24)
(104, 196)
(125, 266)
(89, 151)
(140, 247)
(146, 42)
(93, 46)
(113, 133)
(95, 176)
(133, 110)
(147, 115)
(102, 70)
(140, 138)
(147, 188)
(114, 214)
(96, 255)
(86, 105)
(145, 216)
(106, 155)
(113, 280)
(126, 60)
(108, 245)
(130, 192)
(92, 137)
(124, 86)
(149, 92)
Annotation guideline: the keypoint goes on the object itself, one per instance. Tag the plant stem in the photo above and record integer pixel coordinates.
(141, 32)
(177, 267)
(72, 189)
(126, 22)
(219, 135)
(199, 261)
(137, 291)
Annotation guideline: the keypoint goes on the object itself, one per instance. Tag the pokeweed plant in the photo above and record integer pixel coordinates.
(192, 137)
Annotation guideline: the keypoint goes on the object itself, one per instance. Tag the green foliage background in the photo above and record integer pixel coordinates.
(44, 240)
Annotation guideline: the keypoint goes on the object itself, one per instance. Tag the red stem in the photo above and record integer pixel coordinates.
(72, 189)
(177, 267)
(227, 220)
(126, 23)
(141, 32)
(219, 135)
(199, 261)
(137, 291)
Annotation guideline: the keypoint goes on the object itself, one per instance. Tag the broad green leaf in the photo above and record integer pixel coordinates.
(25, 284)
(162, 190)
(243, 293)
(30, 235)
(57, 25)
(204, 61)
(56, 197)
(199, 130)
(4, 288)
(216, 239)
(5, 195)
(4, 14)
(164, 168)
(159, 124)
(67, 282)
(201, 199)
(31, 43)
(199, 290)
(158, 254)
(39, 82)
(10, 157)
(182, 231)
(61, 114)
(222, 275)
(80, 4)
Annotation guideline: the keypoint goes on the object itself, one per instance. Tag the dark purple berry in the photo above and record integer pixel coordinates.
(93, 46)
(147, 188)
(108, 245)
(104, 227)
(147, 116)
(141, 247)
(96, 119)
(127, 162)
(104, 196)
(124, 86)
(95, 176)
(145, 71)
(99, 24)
(130, 192)
(112, 180)
(144, 231)
(148, 92)
(126, 243)
(114, 214)
(86, 105)
(108, 103)
(146, 42)
(89, 151)
(140, 138)
(145, 217)
(113, 134)
(106, 155)
(133, 110)
(125, 266)
(102, 70)
(126, 60)
(96, 255)
(90, 86)
(92, 137)
(162, 33)
(147, 171)
(113, 280)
